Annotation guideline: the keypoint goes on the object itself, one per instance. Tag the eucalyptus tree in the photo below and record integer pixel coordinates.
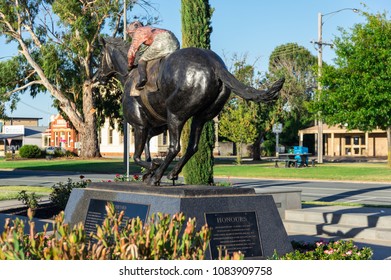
(298, 66)
(58, 52)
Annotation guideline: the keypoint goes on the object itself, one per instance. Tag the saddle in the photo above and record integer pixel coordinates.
(152, 74)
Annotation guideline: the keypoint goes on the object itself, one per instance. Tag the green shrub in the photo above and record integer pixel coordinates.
(59, 153)
(321, 250)
(11, 156)
(28, 199)
(30, 151)
(161, 238)
(70, 154)
(61, 191)
(268, 148)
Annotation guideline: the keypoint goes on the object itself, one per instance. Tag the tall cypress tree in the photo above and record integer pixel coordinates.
(196, 30)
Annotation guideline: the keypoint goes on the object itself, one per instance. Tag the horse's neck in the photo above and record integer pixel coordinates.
(120, 63)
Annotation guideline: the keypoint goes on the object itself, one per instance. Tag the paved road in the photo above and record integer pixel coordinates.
(368, 193)
(363, 193)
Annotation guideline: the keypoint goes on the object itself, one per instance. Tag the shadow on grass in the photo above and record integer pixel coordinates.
(101, 166)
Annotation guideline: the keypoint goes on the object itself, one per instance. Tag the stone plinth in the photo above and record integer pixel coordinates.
(239, 218)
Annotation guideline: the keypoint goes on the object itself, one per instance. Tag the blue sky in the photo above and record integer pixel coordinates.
(248, 27)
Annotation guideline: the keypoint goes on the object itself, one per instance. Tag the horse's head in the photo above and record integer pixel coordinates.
(113, 60)
(106, 70)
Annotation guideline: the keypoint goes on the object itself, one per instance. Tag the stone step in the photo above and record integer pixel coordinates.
(338, 221)
(350, 216)
(337, 230)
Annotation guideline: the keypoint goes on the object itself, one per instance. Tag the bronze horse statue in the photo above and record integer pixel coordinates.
(192, 83)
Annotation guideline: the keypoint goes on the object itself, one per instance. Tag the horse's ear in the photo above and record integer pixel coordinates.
(102, 41)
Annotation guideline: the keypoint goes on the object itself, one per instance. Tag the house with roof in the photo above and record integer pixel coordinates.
(18, 131)
(338, 141)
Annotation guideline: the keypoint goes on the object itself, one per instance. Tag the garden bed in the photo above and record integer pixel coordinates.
(45, 211)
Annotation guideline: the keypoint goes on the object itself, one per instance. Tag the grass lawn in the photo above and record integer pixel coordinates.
(11, 192)
(103, 165)
(372, 172)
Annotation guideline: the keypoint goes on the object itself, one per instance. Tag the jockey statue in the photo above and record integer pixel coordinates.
(160, 43)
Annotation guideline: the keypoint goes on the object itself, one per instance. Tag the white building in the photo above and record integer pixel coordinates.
(112, 142)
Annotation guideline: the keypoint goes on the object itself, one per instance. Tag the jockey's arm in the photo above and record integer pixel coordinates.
(137, 41)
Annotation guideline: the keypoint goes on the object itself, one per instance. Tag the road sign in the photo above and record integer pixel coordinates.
(277, 128)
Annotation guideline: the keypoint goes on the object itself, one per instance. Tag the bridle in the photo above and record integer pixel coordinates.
(110, 66)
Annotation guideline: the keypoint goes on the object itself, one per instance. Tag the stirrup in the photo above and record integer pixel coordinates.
(140, 85)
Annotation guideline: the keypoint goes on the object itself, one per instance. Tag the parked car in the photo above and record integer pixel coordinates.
(51, 150)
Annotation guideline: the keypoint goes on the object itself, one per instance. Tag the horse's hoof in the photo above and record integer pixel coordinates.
(145, 177)
(156, 163)
(172, 177)
(150, 180)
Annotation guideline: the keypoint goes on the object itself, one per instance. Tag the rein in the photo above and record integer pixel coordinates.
(143, 94)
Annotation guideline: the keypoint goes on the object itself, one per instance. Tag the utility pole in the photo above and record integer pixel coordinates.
(320, 44)
(320, 61)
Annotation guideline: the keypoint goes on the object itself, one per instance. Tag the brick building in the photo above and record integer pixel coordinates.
(61, 134)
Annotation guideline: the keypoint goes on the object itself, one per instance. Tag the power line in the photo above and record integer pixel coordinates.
(35, 108)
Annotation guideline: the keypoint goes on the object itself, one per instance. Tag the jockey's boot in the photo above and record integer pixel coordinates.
(142, 71)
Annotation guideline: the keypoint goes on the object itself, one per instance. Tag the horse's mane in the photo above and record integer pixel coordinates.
(118, 44)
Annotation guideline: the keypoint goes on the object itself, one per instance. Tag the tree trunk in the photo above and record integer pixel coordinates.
(88, 131)
(257, 147)
(389, 146)
(239, 153)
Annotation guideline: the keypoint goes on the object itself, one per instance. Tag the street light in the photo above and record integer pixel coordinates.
(320, 44)
(126, 128)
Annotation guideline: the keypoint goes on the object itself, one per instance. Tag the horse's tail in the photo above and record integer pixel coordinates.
(247, 92)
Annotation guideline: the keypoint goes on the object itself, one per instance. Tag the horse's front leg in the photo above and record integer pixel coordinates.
(175, 128)
(140, 139)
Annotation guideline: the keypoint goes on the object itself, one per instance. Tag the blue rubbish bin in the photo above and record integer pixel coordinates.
(300, 150)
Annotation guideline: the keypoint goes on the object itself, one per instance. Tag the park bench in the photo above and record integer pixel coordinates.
(288, 162)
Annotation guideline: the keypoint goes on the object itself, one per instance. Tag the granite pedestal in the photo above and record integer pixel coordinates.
(239, 218)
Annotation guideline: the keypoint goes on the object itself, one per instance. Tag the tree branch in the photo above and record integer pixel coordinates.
(8, 94)
(117, 23)
(19, 19)
(11, 31)
(33, 36)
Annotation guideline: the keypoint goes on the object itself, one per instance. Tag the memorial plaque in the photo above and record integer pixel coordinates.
(234, 231)
(97, 213)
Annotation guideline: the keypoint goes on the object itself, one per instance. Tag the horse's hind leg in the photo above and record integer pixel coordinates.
(195, 135)
(140, 136)
(152, 133)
